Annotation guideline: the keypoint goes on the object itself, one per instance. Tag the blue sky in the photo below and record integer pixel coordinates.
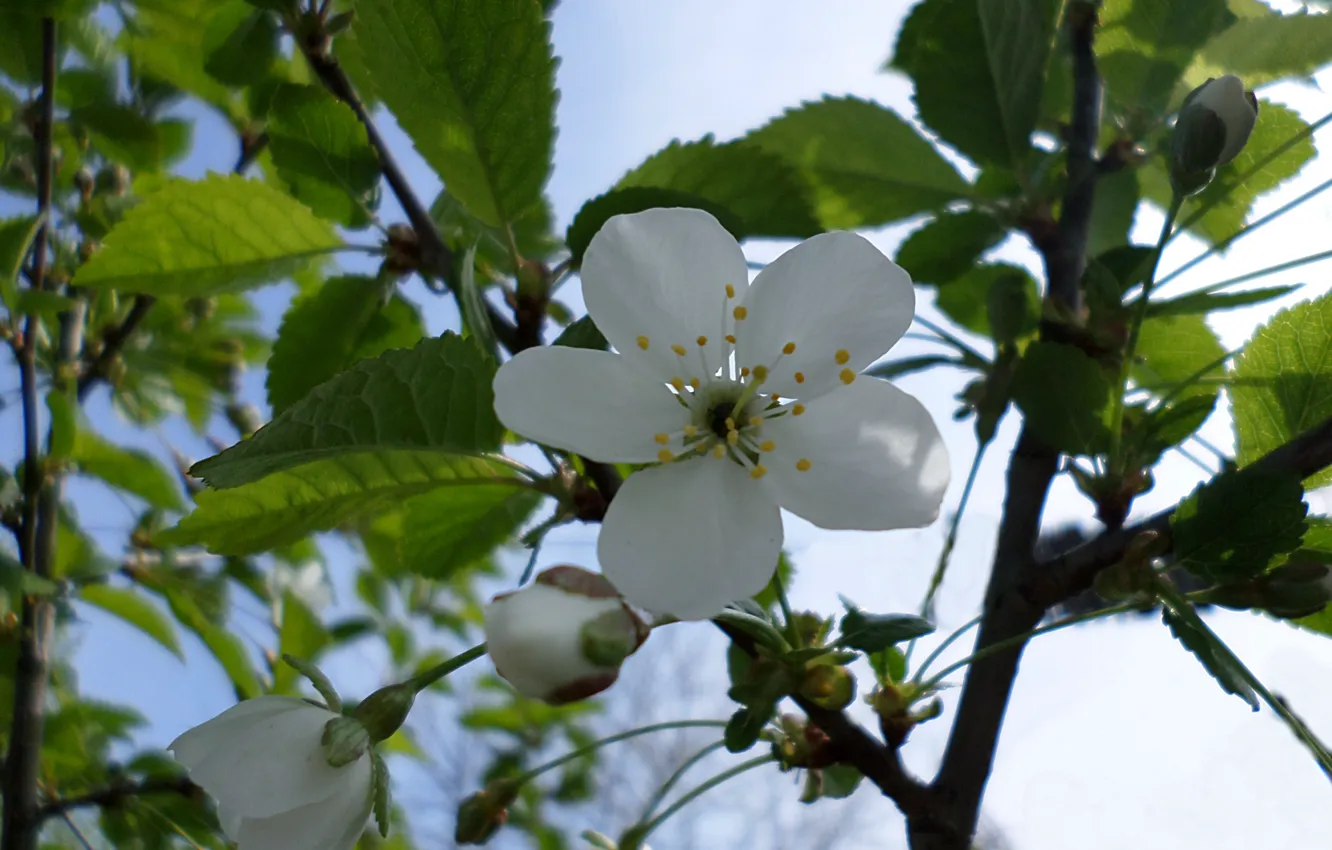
(1115, 737)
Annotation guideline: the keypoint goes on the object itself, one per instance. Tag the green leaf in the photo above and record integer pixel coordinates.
(302, 635)
(949, 245)
(889, 665)
(875, 632)
(64, 423)
(1194, 303)
(21, 46)
(240, 44)
(979, 70)
(16, 236)
(472, 305)
(472, 82)
(760, 188)
(42, 302)
(583, 333)
(453, 527)
(840, 781)
(120, 134)
(1063, 394)
(436, 396)
(1173, 349)
(908, 365)
(347, 319)
(167, 45)
(1267, 48)
(461, 230)
(1282, 384)
(1190, 630)
(1010, 290)
(131, 470)
(228, 649)
(1232, 527)
(1172, 423)
(1229, 200)
(840, 146)
(136, 610)
(1143, 47)
(283, 507)
(202, 238)
(1113, 210)
(322, 154)
(743, 729)
(602, 208)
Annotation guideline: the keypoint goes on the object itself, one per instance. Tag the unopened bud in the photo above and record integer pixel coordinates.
(828, 686)
(1213, 125)
(481, 815)
(563, 637)
(345, 740)
(383, 712)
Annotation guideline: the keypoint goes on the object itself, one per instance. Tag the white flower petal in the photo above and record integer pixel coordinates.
(832, 293)
(334, 823)
(589, 402)
(687, 538)
(230, 821)
(533, 636)
(659, 278)
(196, 744)
(876, 459)
(274, 764)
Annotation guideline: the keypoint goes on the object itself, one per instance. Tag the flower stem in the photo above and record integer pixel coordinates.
(792, 633)
(423, 680)
(700, 790)
(675, 777)
(1135, 327)
(613, 739)
(948, 641)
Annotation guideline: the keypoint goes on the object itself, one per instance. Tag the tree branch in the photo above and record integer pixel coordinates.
(116, 795)
(1007, 614)
(18, 826)
(113, 341)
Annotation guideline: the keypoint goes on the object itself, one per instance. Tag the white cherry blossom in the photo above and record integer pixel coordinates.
(748, 397)
(264, 763)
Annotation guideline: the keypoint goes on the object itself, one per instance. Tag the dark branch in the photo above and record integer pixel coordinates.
(118, 795)
(18, 826)
(113, 342)
(1051, 583)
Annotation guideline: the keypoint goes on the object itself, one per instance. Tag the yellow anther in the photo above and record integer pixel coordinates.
(679, 350)
(760, 373)
(789, 348)
(744, 371)
(690, 431)
(842, 356)
(847, 376)
(730, 424)
(719, 451)
(730, 338)
(695, 383)
(678, 383)
(740, 313)
(776, 399)
(730, 291)
(643, 342)
(803, 464)
(702, 340)
(663, 439)
(767, 446)
(755, 421)
(732, 438)
(758, 472)
(800, 377)
(665, 456)
(797, 409)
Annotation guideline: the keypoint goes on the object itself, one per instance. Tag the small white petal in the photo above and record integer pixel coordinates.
(876, 459)
(334, 823)
(660, 277)
(274, 764)
(230, 821)
(588, 402)
(533, 637)
(689, 537)
(832, 293)
(194, 745)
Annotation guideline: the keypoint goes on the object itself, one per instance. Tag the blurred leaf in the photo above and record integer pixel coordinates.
(909, 365)
(472, 305)
(949, 245)
(1172, 424)
(596, 212)
(131, 470)
(302, 635)
(166, 44)
(240, 44)
(1281, 384)
(1190, 630)
(222, 644)
(979, 69)
(122, 135)
(1173, 349)
(1143, 48)
(285, 506)
(875, 632)
(1194, 303)
(64, 424)
(583, 333)
(970, 298)
(136, 610)
(436, 396)
(889, 664)
(1267, 48)
(1230, 528)
(839, 145)
(16, 236)
(322, 153)
(348, 319)
(1062, 393)
(743, 729)
(461, 229)
(200, 238)
(451, 527)
(472, 82)
(840, 781)
(1113, 210)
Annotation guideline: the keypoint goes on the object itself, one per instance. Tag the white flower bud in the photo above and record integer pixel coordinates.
(1237, 109)
(1212, 128)
(563, 637)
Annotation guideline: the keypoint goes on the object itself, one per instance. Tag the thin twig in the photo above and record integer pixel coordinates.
(116, 795)
(113, 342)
